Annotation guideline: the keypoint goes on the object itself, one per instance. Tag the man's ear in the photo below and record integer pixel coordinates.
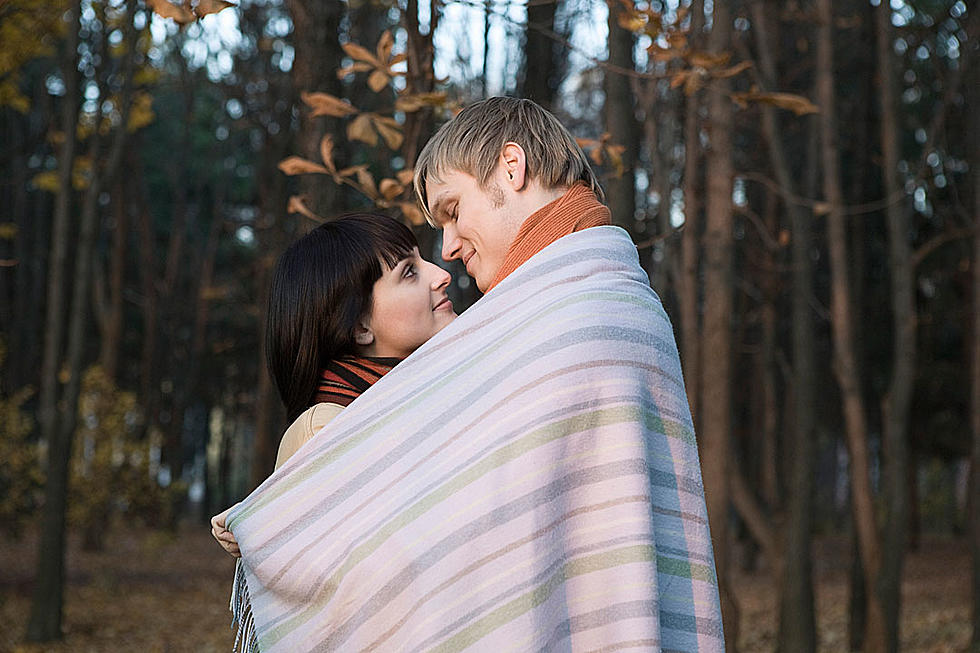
(513, 164)
(363, 335)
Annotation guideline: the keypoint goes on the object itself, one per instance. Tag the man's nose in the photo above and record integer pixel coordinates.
(450, 242)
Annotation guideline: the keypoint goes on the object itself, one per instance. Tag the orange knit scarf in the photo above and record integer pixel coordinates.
(577, 209)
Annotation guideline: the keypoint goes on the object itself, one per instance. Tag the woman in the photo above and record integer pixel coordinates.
(348, 301)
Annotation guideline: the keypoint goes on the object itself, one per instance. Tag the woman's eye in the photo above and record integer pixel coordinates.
(410, 271)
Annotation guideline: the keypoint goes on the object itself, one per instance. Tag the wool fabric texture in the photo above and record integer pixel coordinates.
(577, 209)
(527, 480)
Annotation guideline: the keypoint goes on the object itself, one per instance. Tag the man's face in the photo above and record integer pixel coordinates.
(478, 225)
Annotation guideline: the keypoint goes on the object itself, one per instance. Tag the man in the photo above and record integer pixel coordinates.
(531, 480)
(492, 179)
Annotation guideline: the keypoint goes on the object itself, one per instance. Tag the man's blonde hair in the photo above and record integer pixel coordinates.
(473, 140)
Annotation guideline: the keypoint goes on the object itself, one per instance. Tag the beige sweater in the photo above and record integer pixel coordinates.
(304, 428)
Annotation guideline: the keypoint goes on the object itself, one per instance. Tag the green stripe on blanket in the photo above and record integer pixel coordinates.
(527, 480)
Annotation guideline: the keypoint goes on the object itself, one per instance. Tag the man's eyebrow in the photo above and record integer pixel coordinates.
(437, 205)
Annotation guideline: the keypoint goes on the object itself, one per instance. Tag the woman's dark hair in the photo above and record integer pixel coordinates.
(320, 288)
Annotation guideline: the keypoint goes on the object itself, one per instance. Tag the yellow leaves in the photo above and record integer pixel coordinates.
(798, 104)
(81, 172)
(324, 104)
(140, 112)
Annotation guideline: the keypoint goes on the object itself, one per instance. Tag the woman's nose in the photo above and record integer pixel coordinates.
(440, 278)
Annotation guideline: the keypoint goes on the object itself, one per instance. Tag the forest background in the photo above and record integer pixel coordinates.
(801, 177)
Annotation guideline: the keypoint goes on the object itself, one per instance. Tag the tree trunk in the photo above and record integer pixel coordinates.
(543, 70)
(112, 309)
(716, 420)
(620, 122)
(973, 96)
(46, 605)
(316, 28)
(845, 361)
(797, 624)
(691, 239)
(897, 402)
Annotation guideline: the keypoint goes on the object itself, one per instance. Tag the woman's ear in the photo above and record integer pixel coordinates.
(363, 335)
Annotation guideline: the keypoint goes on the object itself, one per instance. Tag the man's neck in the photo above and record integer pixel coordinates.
(533, 198)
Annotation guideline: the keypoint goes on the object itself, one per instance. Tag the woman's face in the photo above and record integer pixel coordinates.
(409, 305)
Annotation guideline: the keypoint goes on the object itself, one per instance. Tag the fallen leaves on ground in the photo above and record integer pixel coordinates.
(157, 591)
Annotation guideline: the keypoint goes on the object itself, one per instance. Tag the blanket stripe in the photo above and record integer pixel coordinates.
(528, 480)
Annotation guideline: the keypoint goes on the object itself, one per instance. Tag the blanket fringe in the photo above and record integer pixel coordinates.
(246, 641)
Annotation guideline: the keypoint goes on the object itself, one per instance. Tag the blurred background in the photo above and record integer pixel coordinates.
(801, 177)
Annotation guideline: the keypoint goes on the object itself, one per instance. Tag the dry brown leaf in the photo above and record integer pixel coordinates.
(408, 103)
(677, 41)
(596, 156)
(296, 165)
(692, 84)
(405, 176)
(789, 101)
(347, 172)
(181, 14)
(679, 78)
(390, 131)
(205, 7)
(385, 44)
(326, 153)
(360, 53)
(631, 21)
(734, 70)
(397, 59)
(658, 53)
(414, 214)
(360, 130)
(390, 189)
(297, 204)
(708, 60)
(366, 182)
(356, 67)
(377, 80)
(324, 104)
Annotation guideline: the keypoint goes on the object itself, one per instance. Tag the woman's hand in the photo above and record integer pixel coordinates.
(224, 536)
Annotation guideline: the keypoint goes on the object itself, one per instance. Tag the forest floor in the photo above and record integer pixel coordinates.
(161, 592)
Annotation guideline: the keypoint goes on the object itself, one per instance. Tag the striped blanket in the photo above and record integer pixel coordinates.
(528, 480)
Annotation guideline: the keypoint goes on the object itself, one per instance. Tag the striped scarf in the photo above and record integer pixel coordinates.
(527, 480)
(344, 379)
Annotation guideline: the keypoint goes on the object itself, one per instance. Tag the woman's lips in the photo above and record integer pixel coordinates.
(444, 305)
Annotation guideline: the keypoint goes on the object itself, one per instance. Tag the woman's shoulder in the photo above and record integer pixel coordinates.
(304, 427)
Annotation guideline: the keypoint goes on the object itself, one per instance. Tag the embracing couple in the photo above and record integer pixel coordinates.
(523, 477)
